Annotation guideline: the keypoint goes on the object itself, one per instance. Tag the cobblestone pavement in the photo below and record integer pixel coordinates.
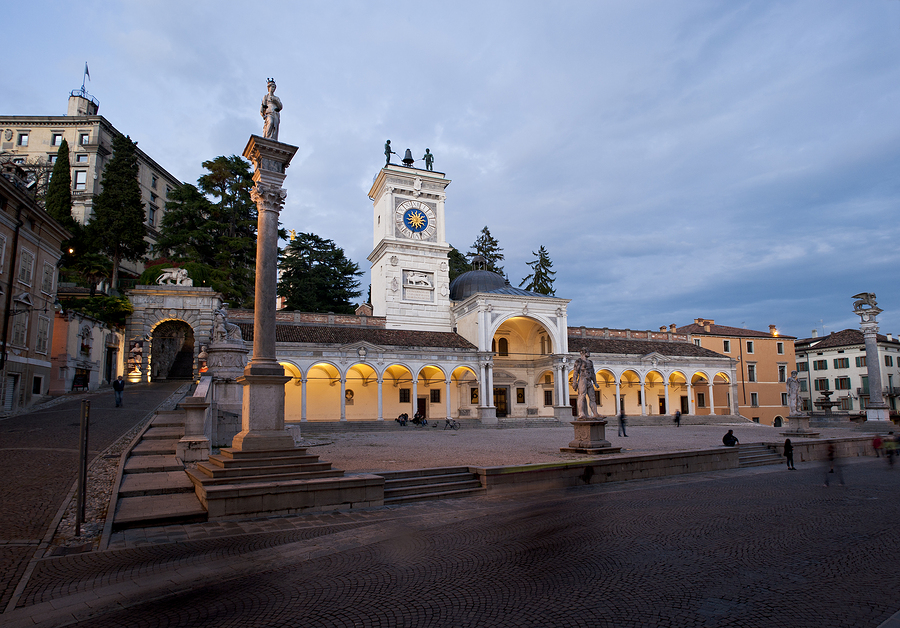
(38, 464)
(750, 547)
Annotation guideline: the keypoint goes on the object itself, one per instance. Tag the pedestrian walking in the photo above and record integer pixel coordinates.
(890, 448)
(789, 454)
(876, 445)
(832, 464)
(119, 390)
(622, 423)
(678, 418)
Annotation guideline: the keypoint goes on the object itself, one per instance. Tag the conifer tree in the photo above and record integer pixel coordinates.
(118, 222)
(316, 276)
(458, 263)
(542, 277)
(486, 246)
(58, 201)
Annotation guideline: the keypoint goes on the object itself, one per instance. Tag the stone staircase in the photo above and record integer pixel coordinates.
(236, 467)
(403, 487)
(155, 490)
(757, 455)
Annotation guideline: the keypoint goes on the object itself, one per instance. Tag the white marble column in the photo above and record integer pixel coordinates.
(618, 401)
(712, 399)
(262, 410)
(876, 409)
(415, 396)
(690, 396)
(380, 399)
(643, 399)
(343, 398)
(302, 399)
(668, 407)
(447, 397)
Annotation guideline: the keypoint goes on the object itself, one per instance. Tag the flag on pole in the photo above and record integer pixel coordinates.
(87, 72)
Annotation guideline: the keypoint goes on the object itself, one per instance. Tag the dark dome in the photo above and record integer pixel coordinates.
(474, 281)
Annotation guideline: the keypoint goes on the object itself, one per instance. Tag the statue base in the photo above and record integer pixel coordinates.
(590, 438)
(882, 413)
(798, 427)
(262, 411)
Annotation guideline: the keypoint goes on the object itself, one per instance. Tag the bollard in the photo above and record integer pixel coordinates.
(81, 492)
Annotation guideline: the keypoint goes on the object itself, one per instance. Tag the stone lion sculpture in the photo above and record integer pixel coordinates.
(176, 276)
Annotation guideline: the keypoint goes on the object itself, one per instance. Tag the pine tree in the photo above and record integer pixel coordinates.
(216, 237)
(541, 278)
(58, 201)
(118, 222)
(316, 276)
(458, 263)
(486, 246)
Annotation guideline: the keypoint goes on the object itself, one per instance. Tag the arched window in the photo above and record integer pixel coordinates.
(504, 346)
(494, 345)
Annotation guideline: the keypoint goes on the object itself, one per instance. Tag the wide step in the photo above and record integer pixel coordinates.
(416, 485)
(158, 510)
(159, 483)
(756, 455)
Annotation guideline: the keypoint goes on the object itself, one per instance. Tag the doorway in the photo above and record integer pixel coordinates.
(172, 351)
(501, 401)
(684, 405)
(422, 406)
(662, 405)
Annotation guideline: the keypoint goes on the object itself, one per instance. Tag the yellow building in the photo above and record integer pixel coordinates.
(764, 362)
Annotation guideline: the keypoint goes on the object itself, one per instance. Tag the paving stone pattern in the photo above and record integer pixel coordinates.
(38, 464)
(750, 547)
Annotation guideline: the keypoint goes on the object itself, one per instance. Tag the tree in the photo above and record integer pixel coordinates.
(213, 227)
(458, 263)
(487, 247)
(316, 276)
(58, 202)
(541, 278)
(118, 222)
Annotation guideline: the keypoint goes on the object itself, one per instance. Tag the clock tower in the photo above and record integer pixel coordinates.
(410, 270)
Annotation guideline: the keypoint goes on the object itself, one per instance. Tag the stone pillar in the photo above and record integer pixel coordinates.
(668, 407)
(302, 399)
(194, 446)
(690, 396)
(618, 409)
(262, 412)
(380, 398)
(712, 399)
(447, 394)
(343, 398)
(415, 395)
(877, 409)
(643, 399)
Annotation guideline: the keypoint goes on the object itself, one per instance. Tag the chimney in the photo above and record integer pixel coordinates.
(815, 333)
(773, 330)
(673, 328)
(663, 328)
(698, 321)
(890, 337)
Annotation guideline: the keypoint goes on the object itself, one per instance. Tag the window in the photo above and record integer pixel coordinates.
(51, 159)
(504, 346)
(846, 403)
(782, 373)
(726, 346)
(548, 397)
(435, 395)
(56, 139)
(864, 380)
(84, 139)
(749, 346)
(81, 158)
(820, 365)
(842, 383)
(80, 180)
(889, 360)
(802, 367)
(47, 278)
(780, 347)
(26, 266)
(404, 395)
(151, 217)
(842, 363)
(18, 160)
(20, 330)
(701, 400)
(2, 252)
(821, 383)
(23, 139)
(804, 387)
(520, 395)
(169, 193)
(754, 399)
(153, 181)
(697, 341)
(784, 399)
(751, 372)
(860, 360)
(43, 335)
(755, 419)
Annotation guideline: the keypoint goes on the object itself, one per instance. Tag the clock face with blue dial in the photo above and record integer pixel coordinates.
(415, 220)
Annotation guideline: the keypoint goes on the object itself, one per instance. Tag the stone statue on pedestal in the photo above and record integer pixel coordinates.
(271, 112)
(223, 330)
(585, 381)
(793, 395)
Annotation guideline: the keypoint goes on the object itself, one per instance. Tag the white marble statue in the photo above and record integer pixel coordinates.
(176, 276)
(271, 112)
(223, 330)
(585, 380)
(793, 395)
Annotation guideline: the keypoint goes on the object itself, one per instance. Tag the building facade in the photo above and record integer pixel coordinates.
(30, 242)
(29, 139)
(764, 361)
(837, 363)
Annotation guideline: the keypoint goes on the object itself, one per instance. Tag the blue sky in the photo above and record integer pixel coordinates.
(732, 160)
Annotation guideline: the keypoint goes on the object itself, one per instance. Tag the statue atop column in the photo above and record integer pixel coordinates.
(429, 159)
(793, 395)
(585, 380)
(271, 112)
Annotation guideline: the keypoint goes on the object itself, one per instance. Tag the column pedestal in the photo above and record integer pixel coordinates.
(590, 438)
(262, 412)
(798, 427)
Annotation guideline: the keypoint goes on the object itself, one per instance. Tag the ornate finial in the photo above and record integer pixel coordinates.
(293, 233)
